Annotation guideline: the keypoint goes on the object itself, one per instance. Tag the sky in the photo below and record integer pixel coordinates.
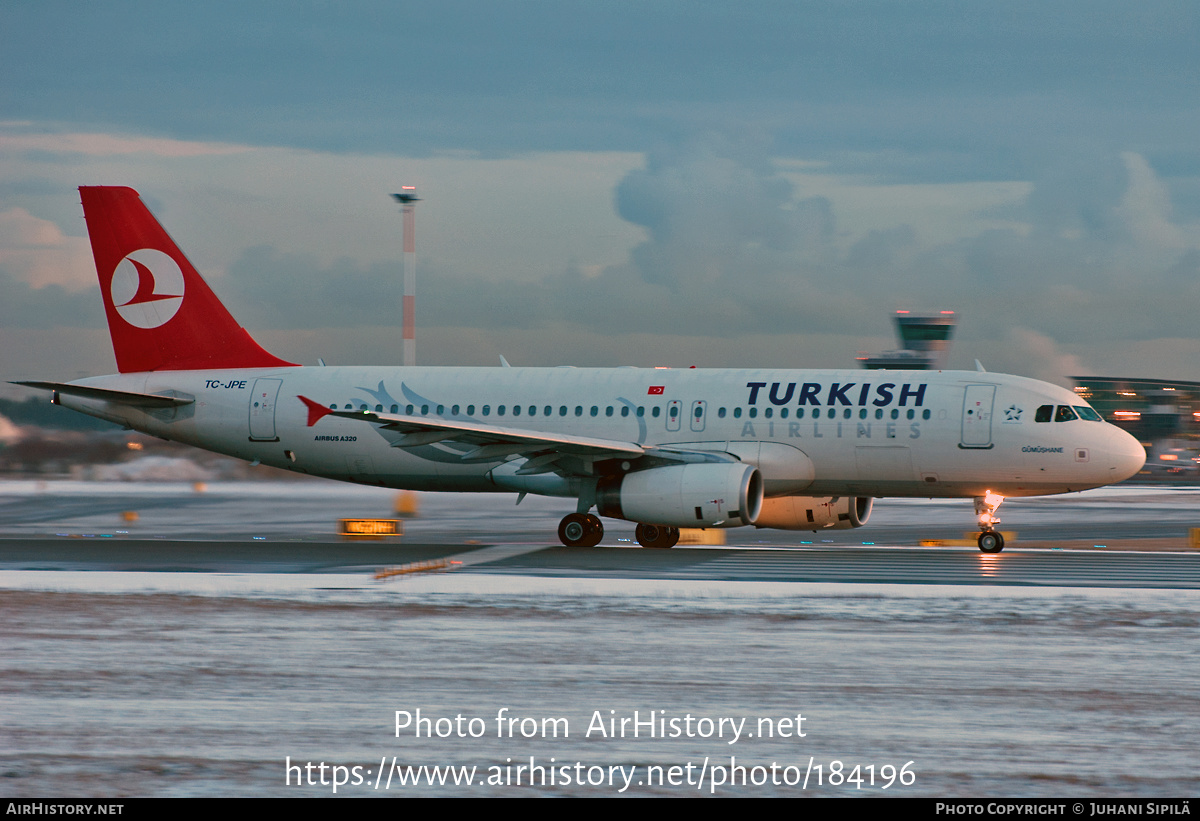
(620, 183)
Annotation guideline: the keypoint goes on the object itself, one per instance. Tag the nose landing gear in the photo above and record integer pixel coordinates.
(990, 540)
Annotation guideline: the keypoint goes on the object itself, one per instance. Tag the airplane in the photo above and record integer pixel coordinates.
(802, 450)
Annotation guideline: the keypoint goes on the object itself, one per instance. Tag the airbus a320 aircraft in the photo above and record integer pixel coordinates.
(790, 449)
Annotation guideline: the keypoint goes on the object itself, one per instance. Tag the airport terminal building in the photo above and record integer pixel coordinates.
(1163, 414)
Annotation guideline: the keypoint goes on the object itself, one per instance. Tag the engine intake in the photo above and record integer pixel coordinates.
(694, 495)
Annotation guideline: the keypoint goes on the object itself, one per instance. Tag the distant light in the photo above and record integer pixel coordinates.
(1128, 414)
(1168, 457)
(903, 312)
(947, 312)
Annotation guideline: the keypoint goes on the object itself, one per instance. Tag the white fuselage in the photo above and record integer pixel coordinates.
(817, 433)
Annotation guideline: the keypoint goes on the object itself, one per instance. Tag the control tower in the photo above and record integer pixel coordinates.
(924, 343)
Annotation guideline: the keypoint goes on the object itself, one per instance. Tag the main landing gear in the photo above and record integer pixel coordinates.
(580, 530)
(586, 530)
(990, 539)
(657, 536)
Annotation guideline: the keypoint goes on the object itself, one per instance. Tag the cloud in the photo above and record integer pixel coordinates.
(36, 252)
(1041, 357)
(111, 145)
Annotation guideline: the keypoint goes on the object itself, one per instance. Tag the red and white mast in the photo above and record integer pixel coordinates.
(407, 199)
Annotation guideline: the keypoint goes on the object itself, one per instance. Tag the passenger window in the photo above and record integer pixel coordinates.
(548, 411)
(595, 410)
(783, 413)
(562, 410)
(516, 410)
(454, 411)
(579, 410)
(656, 411)
(533, 410)
(487, 409)
(470, 410)
(1064, 414)
(500, 411)
(754, 413)
(395, 408)
(1044, 413)
(378, 408)
(767, 413)
(641, 411)
(625, 411)
(737, 413)
(608, 411)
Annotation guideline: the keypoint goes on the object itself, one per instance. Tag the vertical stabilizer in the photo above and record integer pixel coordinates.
(162, 315)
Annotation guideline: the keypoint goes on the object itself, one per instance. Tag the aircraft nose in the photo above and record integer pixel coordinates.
(1126, 455)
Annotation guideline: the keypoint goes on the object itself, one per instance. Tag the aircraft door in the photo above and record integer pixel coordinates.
(674, 411)
(262, 410)
(699, 410)
(977, 416)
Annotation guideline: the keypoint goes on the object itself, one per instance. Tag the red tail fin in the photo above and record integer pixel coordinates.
(162, 316)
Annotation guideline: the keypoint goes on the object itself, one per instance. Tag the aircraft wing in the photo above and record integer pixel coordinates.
(544, 451)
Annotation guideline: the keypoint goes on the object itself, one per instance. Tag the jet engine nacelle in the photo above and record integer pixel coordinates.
(815, 512)
(694, 495)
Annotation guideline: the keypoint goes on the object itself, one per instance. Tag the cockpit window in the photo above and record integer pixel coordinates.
(1064, 414)
(1044, 413)
(1087, 413)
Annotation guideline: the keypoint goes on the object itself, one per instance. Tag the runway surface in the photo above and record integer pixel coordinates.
(224, 641)
(844, 565)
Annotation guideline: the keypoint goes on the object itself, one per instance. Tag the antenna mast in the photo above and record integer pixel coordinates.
(407, 199)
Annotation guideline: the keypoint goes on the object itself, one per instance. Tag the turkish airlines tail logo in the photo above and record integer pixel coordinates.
(147, 288)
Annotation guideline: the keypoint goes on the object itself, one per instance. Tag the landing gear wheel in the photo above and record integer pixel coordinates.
(580, 530)
(595, 530)
(657, 536)
(991, 542)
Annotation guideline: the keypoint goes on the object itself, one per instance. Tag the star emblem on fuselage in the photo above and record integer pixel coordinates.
(1012, 414)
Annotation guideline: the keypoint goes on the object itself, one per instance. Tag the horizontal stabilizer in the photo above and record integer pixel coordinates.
(137, 400)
